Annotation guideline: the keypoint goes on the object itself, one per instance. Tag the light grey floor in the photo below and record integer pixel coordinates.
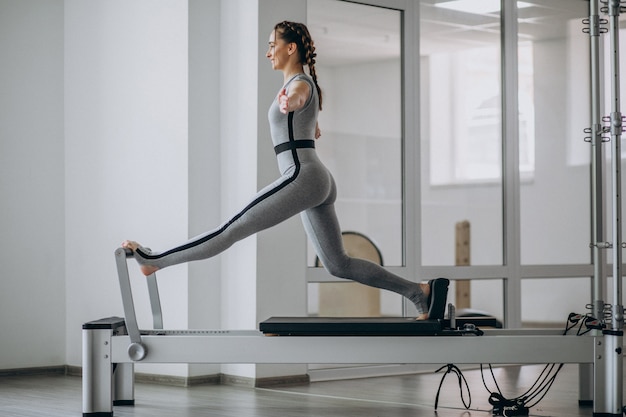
(414, 395)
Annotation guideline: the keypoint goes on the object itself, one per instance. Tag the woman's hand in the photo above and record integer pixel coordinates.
(294, 99)
(283, 101)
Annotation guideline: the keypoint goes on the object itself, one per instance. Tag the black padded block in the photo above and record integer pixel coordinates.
(105, 323)
(350, 326)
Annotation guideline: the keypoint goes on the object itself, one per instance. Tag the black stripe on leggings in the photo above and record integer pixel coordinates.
(256, 201)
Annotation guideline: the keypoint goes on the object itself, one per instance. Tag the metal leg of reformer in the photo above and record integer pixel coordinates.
(104, 383)
(97, 373)
(123, 384)
(608, 364)
(585, 384)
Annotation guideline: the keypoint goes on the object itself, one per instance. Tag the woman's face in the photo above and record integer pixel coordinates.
(278, 51)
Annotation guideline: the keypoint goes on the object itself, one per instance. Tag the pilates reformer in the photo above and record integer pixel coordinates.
(112, 346)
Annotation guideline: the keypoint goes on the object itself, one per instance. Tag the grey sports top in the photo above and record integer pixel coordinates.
(304, 119)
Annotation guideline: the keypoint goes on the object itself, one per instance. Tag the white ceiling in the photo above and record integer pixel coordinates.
(348, 33)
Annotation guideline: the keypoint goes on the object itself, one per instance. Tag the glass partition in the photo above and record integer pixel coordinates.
(548, 310)
(359, 67)
(461, 125)
(554, 111)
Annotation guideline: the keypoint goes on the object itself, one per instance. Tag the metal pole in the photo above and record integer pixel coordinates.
(597, 166)
(617, 318)
(608, 360)
(591, 378)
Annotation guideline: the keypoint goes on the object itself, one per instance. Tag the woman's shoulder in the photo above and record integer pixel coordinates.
(302, 77)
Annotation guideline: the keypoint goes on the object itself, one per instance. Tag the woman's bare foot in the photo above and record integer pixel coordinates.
(423, 316)
(426, 291)
(145, 269)
(131, 244)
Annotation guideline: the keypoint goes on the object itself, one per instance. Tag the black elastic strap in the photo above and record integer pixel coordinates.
(296, 144)
(451, 368)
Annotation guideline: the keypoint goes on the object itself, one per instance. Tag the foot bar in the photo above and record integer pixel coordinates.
(136, 350)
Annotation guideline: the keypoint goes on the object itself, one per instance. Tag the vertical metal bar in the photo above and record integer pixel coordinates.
(137, 351)
(608, 360)
(411, 144)
(155, 301)
(510, 155)
(617, 319)
(613, 339)
(597, 166)
(127, 295)
(124, 384)
(601, 377)
(585, 384)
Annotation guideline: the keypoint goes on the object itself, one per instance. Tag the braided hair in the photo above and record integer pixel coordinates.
(299, 34)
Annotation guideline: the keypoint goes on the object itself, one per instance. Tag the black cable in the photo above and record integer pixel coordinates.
(451, 368)
(574, 319)
(525, 395)
(547, 388)
(492, 377)
(539, 389)
(542, 384)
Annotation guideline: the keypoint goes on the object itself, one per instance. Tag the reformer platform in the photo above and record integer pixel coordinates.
(111, 346)
(367, 326)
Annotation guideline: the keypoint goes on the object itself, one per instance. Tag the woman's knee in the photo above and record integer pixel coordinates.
(339, 268)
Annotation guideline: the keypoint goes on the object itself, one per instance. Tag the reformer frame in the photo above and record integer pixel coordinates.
(112, 345)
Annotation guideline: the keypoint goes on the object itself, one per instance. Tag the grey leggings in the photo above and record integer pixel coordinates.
(307, 187)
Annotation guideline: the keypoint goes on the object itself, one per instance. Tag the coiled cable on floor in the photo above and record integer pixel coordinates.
(520, 405)
(451, 368)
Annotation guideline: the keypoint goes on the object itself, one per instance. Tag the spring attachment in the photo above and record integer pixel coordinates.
(615, 124)
(597, 28)
(601, 245)
(607, 309)
(613, 7)
(603, 129)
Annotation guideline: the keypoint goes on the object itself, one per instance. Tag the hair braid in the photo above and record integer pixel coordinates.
(299, 34)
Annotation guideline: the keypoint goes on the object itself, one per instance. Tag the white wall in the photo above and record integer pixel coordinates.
(125, 153)
(238, 152)
(204, 164)
(281, 250)
(32, 241)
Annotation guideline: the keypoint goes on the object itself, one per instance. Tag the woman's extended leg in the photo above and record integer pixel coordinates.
(323, 229)
(275, 203)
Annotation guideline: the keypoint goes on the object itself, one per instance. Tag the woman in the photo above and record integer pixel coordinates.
(305, 186)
